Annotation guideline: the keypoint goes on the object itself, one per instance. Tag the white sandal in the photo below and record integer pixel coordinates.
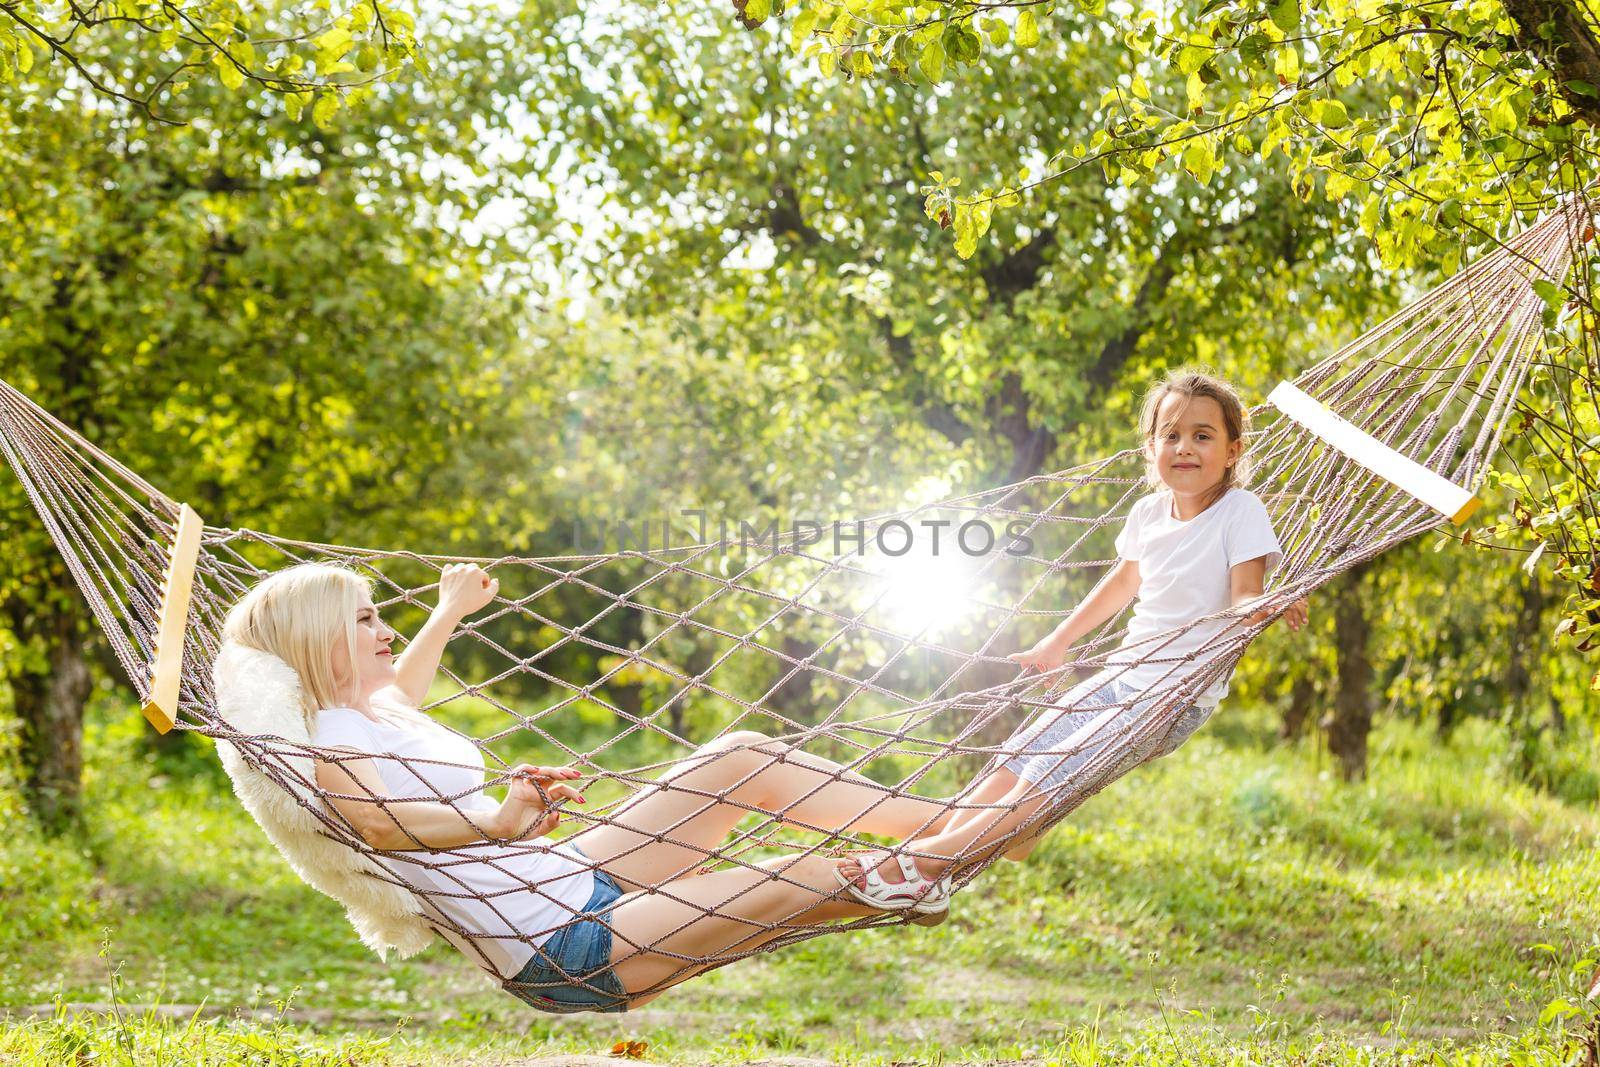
(915, 894)
(934, 907)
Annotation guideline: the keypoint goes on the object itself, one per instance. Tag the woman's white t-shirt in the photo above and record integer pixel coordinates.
(1183, 576)
(529, 890)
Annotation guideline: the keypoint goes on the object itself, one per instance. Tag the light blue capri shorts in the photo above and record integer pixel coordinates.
(1049, 756)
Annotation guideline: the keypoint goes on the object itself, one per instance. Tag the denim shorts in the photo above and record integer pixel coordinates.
(1049, 756)
(582, 950)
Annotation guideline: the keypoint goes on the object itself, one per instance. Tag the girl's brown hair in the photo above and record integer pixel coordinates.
(1191, 385)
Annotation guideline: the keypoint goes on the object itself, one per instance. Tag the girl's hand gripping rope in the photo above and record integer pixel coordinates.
(1296, 615)
(1045, 656)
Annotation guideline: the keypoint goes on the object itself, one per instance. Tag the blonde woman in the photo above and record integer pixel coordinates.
(568, 925)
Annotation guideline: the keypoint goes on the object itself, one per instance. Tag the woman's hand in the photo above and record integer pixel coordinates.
(1047, 655)
(465, 588)
(526, 811)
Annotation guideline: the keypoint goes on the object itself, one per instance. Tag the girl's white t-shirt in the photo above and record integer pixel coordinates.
(1183, 576)
(529, 890)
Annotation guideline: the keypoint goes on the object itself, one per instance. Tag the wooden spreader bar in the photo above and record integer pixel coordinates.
(1404, 473)
(177, 591)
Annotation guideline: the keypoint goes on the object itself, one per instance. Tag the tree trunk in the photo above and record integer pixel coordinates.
(627, 697)
(1302, 694)
(1525, 638)
(795, 696)
(1519, 678)
(49, 707)
(1352, 702)
(1560, 31)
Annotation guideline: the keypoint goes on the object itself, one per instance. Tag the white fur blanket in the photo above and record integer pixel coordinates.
(258, 693)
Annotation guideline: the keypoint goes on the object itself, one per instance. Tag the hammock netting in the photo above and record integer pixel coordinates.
(891, 664)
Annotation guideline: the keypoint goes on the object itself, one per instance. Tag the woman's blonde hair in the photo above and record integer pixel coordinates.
(1191, 384)
(297, 615)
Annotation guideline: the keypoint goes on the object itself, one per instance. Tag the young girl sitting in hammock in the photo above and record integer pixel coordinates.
(570, 925)
(1198, 545)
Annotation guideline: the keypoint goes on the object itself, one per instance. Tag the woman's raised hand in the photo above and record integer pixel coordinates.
(1047, 655)
(524, 800)
(465, 588)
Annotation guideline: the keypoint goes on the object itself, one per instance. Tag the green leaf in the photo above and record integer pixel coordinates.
(1285, 15)
(1287, 63)
(1254, 48)
(971, 47)
(1199, 160)
(335, 43)
(960, 44)
(931, 63)
(804, 23)
(1191, 58)
(323, 111)
(966, 232)
(1550, 293)
(1027, 30)
(229, 74)
(1503, 117)
(1332, 114)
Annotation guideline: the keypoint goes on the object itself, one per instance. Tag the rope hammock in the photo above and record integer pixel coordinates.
(852, 651)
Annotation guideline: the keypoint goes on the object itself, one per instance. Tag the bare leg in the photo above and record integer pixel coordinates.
(711, 916)
(973, 839)
(669, 829)
(1023, 847)
(974, 834)
(991, 790)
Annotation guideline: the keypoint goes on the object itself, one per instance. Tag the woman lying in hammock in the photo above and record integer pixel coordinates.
(573, 925)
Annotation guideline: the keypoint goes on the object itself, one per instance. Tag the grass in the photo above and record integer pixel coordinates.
(1233, 903)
